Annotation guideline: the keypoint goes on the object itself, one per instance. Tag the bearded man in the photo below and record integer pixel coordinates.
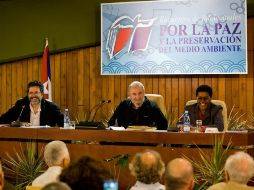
(33, 109)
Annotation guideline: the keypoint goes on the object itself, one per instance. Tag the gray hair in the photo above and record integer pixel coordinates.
(147, 166)
(240, 167)
(137, 84)
(55, 152)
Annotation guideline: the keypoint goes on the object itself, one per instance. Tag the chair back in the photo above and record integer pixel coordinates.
(159, 100)
(224, 110)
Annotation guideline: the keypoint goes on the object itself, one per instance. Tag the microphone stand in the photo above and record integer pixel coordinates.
(97, 108)
(17, 122)
(91, 124)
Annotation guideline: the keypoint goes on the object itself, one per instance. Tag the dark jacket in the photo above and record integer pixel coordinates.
(213, 115)
(148, 114)
(50, 113)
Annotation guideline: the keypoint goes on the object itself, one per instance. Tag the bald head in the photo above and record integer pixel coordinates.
(240, 167)
(147, 166)
(179, 175)
(148, 159)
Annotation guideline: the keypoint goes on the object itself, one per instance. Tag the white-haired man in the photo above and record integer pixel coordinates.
(147, 167)
(56, 156)
(138, 110)
(239, 169)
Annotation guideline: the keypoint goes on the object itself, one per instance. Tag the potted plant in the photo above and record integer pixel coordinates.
(24, 167)
(210, 168)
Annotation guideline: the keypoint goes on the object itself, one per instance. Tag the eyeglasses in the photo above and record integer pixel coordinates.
(205, 98)
(34, 93)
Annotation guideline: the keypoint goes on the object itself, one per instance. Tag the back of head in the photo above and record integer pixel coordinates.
(147, 166)
(240, 167)
(85, 173)
(56, 186)
(55, 152)
(179, 175)
(205, 88)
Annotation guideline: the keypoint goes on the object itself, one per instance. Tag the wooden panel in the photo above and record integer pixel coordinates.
(78, 85)
(250, 34)
(57, 79)
(4, 88)
(63, 80)
(14, 82)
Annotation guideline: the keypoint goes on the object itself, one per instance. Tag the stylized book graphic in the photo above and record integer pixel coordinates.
(128, 35)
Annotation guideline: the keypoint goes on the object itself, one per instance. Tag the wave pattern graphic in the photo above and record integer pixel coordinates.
(171, 67)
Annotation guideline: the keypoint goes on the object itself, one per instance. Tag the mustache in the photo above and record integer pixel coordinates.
(34, 97)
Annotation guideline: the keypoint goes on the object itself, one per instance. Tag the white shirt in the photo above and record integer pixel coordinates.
(49, 176)
(142, 186)
(35, 117)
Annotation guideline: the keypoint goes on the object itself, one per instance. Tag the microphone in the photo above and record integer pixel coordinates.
(93, 108)
(96, 108)
(17, 122)
(180, 117)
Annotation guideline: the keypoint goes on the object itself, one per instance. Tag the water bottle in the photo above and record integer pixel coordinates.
(186, 122)
(66, 118)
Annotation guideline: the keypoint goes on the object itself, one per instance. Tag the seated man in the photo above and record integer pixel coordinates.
(239, 169)
(147, 167)
(205, 110)
(85, 173)
(34, 109)
(179, 175)
(138, 110)
(56, 156)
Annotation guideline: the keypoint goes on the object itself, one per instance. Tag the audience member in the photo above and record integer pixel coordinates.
(147, 167)
(239, 169)
(205, 110)
(179, 175)
(85, 173)
(1, 177)
(4, 184)
(56, 186)
(34, 109)
(138, 110)
(56, 156)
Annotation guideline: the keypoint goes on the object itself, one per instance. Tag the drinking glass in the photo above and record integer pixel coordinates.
(198, 125)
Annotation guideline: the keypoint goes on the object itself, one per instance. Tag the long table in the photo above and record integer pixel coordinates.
(103, 144)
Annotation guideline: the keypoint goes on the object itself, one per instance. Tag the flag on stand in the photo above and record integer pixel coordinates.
(46, 75)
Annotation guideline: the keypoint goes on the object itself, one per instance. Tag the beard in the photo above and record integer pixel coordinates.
(35, 103)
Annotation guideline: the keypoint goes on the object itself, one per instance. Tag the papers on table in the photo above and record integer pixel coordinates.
(35, 127)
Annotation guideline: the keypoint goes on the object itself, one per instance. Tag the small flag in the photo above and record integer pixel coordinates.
(46, 74)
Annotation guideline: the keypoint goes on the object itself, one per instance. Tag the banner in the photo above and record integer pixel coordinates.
(174, 37)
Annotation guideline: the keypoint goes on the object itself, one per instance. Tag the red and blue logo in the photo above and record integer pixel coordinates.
(128, 35)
